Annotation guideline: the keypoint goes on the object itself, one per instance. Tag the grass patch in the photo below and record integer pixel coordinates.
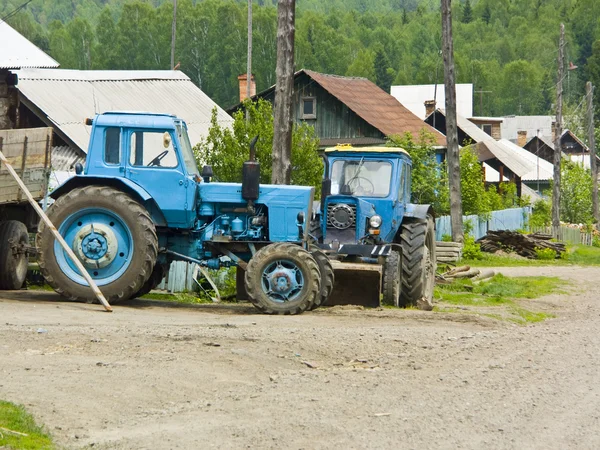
(16, 419)
(181, 297)
(40, 287)
(499, 291)
(582, 255)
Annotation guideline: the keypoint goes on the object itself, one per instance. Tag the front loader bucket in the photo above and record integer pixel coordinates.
(356, 284)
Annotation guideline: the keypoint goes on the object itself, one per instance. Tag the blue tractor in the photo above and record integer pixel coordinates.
(366, 216)
(140, 203)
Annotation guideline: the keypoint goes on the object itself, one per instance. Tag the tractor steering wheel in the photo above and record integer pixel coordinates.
(355, 185)
(156, 161)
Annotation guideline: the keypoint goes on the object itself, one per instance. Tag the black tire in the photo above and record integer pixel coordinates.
(134, 217)
(327, 277)
(158, 273)
(13, 268)
(392, 279)
(418, 263)
(294, 256)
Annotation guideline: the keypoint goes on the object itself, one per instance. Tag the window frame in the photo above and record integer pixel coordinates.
(174, 143)
(484, 125)
(305, 116)
(120, 146)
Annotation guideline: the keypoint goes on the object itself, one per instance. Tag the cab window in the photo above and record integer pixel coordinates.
(112, 146)
(152, 149)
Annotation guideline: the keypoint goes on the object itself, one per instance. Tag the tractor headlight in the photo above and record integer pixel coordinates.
(375, 221)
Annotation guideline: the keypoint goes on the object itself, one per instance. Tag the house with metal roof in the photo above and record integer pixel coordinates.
(16, 52)
(349, 110)
(63, 99)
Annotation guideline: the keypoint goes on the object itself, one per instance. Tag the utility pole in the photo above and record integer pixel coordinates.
(589, 90)
(249, 61)
(558, 133)
(284, 89)
(451, 127)
(173, 32)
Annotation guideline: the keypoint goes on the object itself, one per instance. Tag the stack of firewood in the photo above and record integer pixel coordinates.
(522, 244)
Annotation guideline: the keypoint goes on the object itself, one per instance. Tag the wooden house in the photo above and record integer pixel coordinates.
(348, 110)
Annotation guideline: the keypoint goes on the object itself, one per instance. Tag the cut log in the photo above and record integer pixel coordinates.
(522, 244)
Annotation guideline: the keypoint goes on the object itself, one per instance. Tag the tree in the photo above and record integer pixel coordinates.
(467, 12)
(384, 74)
(486, 14)
(575, 194)
(474, 196)
(429, 180)
(227, 148)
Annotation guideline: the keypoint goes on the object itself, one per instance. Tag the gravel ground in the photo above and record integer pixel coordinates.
(158, 376)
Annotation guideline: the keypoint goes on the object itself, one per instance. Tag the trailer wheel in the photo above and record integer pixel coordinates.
(158, 273)
(111, 234)
(13, 267)
(418, 263)
(327, 276)
(283, 278)
(392, 279)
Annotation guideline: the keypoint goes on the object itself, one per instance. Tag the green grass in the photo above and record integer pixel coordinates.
(499, 291)
(39, 287)
(183, 297)
(15, 419)
(582, 255)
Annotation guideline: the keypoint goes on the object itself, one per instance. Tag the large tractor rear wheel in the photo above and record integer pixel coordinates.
(283, 278)
(418, 263)
(155, 279)
(111, 234)
(13, 263)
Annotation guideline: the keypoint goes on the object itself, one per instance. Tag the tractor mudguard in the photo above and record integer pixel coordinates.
(122, 184)
(419, 211)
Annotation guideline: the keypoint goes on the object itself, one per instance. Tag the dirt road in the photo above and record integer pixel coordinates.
(158, 376)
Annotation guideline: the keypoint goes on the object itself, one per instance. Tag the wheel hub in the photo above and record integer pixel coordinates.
(282, 280)
(95, 245)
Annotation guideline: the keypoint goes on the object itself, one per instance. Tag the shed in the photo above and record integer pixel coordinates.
(63, 99)
(468, 132)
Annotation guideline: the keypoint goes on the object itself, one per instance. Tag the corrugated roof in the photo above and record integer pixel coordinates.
(501, 151)
(17, 52)
(374, 105)
(469, 128)
(542, 169)
(64, 98)
(534, 125)
(64, 158)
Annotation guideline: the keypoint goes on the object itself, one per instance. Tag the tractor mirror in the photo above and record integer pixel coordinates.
(166, 139)
(207, 173)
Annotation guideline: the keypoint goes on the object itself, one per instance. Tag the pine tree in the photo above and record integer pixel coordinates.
(486, 15)
(467, 12)
(404, 16)
(383, 75)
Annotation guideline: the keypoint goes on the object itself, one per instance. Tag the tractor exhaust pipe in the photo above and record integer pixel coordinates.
(251, 177)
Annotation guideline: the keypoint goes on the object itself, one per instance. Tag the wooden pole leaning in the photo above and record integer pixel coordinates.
(57, 235)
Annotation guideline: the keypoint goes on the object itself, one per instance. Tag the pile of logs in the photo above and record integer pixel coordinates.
(464, 272)
(522, 244)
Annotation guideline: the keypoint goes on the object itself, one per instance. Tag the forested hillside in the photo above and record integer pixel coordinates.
(507, 48)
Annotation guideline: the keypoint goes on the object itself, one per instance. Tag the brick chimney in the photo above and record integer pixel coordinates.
(521, 138)
(242, 79)
(429, 107)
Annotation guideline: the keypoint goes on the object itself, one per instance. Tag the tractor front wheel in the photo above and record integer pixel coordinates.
(283, 278)
(327, 276)
(13, 261)
(418, 263)
(110, 233)
(392, 279)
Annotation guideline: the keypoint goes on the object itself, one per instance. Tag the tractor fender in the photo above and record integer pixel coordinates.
(123, 184)
(418, 211)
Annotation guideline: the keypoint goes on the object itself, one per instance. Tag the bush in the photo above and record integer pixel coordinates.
(545, 253)
(542, 214)
(446, 238)
(471, 250)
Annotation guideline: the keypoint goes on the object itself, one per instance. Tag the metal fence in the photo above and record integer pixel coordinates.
(506, 219)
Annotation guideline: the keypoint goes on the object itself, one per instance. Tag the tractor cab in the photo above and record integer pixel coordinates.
(366, 192)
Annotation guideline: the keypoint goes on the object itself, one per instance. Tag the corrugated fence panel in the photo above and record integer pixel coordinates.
(179, 279)
(506, 219)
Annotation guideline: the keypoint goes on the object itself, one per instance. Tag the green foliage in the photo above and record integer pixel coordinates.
(575, 193)
(596, 241)
(474, 196)
(446, 238)
(542, 214)
(545, 253)
(14, 417)
(429, 178)
(506, 47)
(226, 149)
(471, 250)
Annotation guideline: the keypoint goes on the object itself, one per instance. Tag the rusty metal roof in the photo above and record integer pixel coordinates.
(374, 105)
(17, 52)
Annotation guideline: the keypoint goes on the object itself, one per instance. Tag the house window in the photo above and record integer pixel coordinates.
(487, 128)
(309, 107)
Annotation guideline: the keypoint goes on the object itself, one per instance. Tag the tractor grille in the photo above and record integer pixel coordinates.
(341, 215)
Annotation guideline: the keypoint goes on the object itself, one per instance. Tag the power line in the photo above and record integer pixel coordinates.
(15, 11)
